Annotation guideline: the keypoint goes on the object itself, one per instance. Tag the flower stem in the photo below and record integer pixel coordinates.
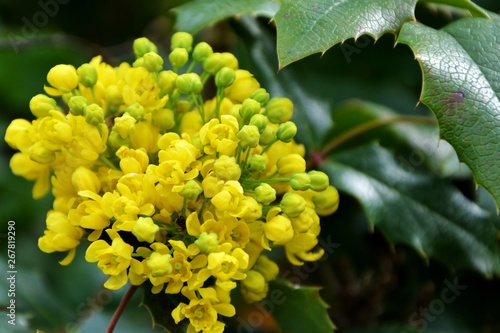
(357, 131)
(120, 308)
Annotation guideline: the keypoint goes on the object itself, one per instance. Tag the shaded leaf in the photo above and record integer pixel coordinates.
(160, 307)
(198, 14)
(417, 209)
(299, 309)
(460, 65)
(306, 27)
(474, 9)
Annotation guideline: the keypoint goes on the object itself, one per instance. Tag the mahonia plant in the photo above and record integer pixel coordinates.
(168, 187)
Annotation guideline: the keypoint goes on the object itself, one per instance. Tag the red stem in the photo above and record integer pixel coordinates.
(120, 308)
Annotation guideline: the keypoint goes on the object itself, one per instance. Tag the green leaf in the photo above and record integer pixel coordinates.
(417, 209)
(462, 87)
(306, 27)
(474, 9)
(198, 14)
(160, 307)
(298, 309)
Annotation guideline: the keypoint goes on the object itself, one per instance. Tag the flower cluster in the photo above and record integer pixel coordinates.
(167, 187)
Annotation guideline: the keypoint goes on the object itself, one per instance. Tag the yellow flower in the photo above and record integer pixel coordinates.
(60, 236)
(145, 136)
(278, 229)
(83, 179)
(22, 165)
(132, 160)
(18, 135)
(220, 136)
(63, 79)
(244, 85)
(203, 312)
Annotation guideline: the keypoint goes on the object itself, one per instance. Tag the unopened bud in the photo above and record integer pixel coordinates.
(213, 63)
(249, 108)
(226, 168)
(153, 62)
(94, 114)
(265, 194)
(159, 264)
(41, 104)
(207, 242)
(319, 180)
(40, 154)
(260, 95)
(260, 121)
(265, 266)
(87, 74)
(145, 229)
(286, 131)
(327, 201)
(178, 57)
(225, 77)
(166, 81)
(300, 181)
(135, 110)
(279, 110)
(229, 60)
(202, 51)
(249, 136)
(191, 190)
(254, 282)
(182, 40)
(268, 136)
(189, 83)
(142, 46)
(258, 163)
(292, 204)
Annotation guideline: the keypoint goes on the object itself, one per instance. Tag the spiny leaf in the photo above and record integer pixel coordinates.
(306, 27)
(417, 209)
(461, 71)
(198, 14)
(298, 309)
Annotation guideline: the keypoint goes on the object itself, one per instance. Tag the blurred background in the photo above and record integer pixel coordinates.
(370, 285)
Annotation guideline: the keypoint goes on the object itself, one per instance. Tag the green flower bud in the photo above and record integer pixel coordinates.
(40, 154)
(229, 60)
(41, 104)
(327, 201)
(260, 95)
(286, 131)
(319, 180)
(300, 181)
(260, 121)
(135, 110)
(213, 63)
(207, 242)
(142, 46)
(153, 62)
(115, 140)
(265, 194)
(87, 74)
(138, 62)
(225, 77)
(265, 266)
(189, 83)
(182, 106)
(279, 110)
(249, 136)
(178, 57)
(94, 114)
(268, 136)
(166, 81)
(164, 119)
(202, 51)
(258, 163)
(182, 40)
(77, 105)
(292, 204)
(145, 229)
(159, 264)
(249, 108)
(191, 190)
(254, 282)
